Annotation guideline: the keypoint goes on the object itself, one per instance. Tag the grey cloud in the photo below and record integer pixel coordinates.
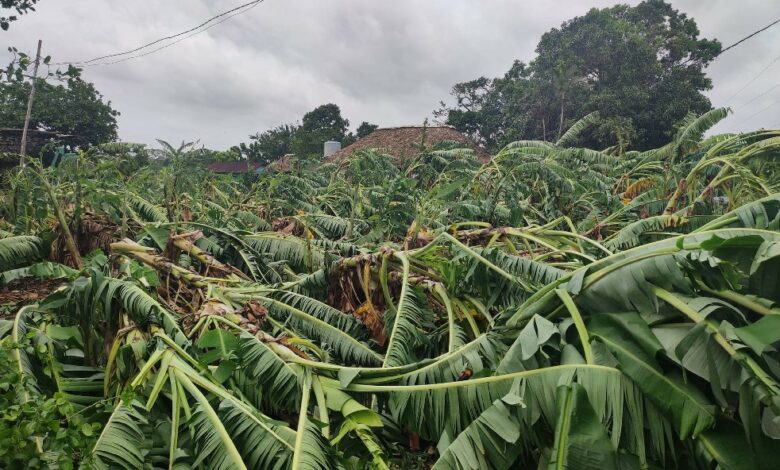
(388, 62)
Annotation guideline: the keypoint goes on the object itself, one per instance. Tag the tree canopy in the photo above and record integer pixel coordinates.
(641, 68)
(306, 139)
(364, 129)
(318, 126)
(268, 146)
(76, 108)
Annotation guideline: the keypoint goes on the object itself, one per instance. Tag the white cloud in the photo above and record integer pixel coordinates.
(384, 62)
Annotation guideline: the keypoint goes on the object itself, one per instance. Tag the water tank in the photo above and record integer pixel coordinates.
(330, 148)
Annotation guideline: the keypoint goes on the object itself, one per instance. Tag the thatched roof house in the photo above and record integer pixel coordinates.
(404, 142)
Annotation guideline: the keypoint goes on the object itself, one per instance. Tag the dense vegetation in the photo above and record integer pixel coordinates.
(64, 103)
(318, 126)
(557, 306)
(642, 67)
(74, 108)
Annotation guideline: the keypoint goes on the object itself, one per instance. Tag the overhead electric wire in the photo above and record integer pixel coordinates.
(204, 26)
(748, 37)
(758, 112)
(125, 59)
(760, 95)
(750, 82)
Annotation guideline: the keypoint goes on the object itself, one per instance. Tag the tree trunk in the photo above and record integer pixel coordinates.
(671, 206)
(70, 243)
(560, 122)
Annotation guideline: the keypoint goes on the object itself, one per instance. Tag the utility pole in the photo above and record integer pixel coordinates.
(23, 150)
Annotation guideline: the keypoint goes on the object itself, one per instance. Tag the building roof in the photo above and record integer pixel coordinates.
(11, 140)
(235, 167)
(282, 164)
(403, 142)
(31, 132)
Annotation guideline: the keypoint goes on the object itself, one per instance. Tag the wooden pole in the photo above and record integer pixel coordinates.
(23, 150)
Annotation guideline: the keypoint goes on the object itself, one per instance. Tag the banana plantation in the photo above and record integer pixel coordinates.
(556, 307)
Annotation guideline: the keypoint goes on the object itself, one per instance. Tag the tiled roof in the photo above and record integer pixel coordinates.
(404, 142)
(283, 164)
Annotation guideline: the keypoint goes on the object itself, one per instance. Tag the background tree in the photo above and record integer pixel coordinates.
(268, 146)
(127, 157)
(306, 139)
(364, 129)
(75, 108)
(189, 155)
(318, 126)
(69, 106)
(20, 6)
(641, 67)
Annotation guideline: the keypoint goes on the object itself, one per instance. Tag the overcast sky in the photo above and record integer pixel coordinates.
(387, 62)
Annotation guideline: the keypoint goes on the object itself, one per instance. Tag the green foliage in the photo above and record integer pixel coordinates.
(75, 108)
(364, 129)
(39, 431)
(19, 251)
(269, 146)
(318, 126)
(557, 307)
(305, 140)
(21, 7)
(128, 157)
(640, 67)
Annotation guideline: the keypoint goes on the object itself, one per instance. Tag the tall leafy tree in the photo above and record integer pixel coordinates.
(317, 127)
(75, 107)
(306, 139)
(269, 145)
(364, 129)
(641, 67)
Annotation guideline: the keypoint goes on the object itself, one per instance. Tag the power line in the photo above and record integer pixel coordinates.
(759, 96)
(750, 82)
(758, 112)
(748, 37)
(226, 15)
(125, 59)
(715, 57)
(738, 42)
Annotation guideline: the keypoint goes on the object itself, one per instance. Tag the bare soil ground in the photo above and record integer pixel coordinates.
(26, 291)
